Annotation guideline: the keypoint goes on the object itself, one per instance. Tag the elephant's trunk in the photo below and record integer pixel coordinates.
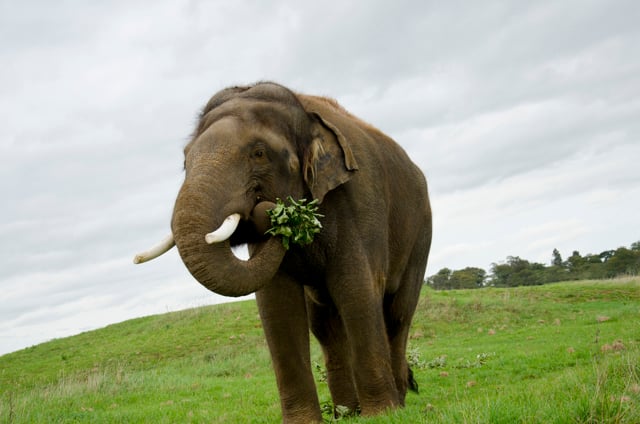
(214, 265)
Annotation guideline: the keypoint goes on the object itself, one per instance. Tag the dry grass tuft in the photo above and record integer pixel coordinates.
(616, 346)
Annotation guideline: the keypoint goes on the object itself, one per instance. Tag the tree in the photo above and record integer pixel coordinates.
(517, 272)
(557, 270)
(623, 262)
(440, 280)
(575, 264)
(592, 267)
(606, 255)
(500, 275)
(468, 278)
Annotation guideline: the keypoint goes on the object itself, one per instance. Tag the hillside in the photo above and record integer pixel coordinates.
(566, 352)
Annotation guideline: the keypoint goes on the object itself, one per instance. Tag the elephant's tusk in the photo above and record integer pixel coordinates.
(225, 230)
(164, 246)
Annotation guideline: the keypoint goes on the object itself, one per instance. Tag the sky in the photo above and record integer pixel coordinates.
(524, 116)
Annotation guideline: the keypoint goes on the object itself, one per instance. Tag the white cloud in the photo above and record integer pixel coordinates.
(522, 115)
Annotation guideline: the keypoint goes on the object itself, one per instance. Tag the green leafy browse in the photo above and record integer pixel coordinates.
(296, 223)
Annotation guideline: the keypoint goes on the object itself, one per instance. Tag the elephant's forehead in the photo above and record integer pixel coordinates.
(226, 126)
(233, 133)
(225, 133)
(253, 113)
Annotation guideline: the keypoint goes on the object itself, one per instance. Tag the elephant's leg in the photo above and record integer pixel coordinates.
(399, 310)
(398, 335)
(327, 327)
(284, 319)
(359, 305)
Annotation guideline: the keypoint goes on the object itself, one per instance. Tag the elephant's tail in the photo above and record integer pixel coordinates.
(412, 383)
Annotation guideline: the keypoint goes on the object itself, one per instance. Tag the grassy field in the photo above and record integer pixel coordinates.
(560, 353)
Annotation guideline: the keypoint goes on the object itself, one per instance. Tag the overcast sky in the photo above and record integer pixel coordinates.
(524, 116)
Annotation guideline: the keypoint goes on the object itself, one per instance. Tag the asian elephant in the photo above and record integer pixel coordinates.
(356, 286)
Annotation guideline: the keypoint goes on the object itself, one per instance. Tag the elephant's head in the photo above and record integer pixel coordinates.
(252, 145)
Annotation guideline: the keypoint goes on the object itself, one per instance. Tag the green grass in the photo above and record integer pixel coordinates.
(560, 353)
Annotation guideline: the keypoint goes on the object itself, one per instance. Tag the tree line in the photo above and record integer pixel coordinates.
(516, 271)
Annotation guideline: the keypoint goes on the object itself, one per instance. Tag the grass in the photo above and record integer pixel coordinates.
(560, 353)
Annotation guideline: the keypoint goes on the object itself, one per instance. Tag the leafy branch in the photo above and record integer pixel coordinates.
(296, 223)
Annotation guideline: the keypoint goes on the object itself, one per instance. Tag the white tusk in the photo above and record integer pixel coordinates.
(164, 246)
(226, 229)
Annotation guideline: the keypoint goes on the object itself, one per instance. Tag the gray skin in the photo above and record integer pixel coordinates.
(357, 285)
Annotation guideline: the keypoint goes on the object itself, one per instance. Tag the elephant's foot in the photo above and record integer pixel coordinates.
(301, 416)
(300, 407)
(376, 400)
(343, 390)
(302, 419)
(378, 408)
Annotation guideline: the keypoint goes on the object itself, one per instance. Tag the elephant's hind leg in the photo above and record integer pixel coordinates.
(402, 374)
(399, 309)
(369, 349)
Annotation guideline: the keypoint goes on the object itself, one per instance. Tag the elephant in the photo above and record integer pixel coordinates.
(356, 286)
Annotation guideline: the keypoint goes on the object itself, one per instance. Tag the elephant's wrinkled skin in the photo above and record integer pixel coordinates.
(357, 285)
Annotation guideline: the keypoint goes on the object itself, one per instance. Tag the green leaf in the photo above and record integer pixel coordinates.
(296, 222)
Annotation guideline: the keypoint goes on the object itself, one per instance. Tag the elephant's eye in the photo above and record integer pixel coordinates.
(259, 153)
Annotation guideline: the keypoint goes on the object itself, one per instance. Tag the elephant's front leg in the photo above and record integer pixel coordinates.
(284, 319)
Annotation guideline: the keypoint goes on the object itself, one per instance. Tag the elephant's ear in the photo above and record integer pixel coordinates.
(328, 161)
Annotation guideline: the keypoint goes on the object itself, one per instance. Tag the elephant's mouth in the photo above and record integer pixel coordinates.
(234, 229)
